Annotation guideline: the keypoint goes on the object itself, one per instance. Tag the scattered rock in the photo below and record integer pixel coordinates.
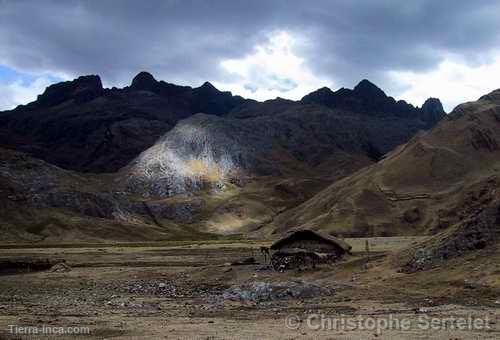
(473, 233)
(471, 285)
(151, 288)
(60, 268)
(165, 289)
(265, 291)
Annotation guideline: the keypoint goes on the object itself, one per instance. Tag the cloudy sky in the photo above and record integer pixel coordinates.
(260, 49)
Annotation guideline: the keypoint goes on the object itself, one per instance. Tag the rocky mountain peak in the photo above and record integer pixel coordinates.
(82, 89)
(432, 110)
(433, 105)
(368, 99)
(206, 90)
(143, 81)
(365, 98)
(324, 90)
(91, 82)
(208, 86)
(366, 88)
(323, 96)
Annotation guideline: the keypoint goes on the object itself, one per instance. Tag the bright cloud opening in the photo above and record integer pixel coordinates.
(273, 70)
(452, 82)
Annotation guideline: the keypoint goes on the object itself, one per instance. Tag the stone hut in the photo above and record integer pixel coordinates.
(302, 248)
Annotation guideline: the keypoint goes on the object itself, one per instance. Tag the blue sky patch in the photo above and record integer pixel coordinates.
(9, 76)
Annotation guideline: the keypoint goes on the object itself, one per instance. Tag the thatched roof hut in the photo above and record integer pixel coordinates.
(308, 240)
(306, 247)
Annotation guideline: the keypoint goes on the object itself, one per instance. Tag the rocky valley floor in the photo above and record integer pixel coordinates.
(184, 290)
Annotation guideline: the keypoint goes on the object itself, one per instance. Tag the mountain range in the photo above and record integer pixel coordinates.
(79, 125)
(159, 161)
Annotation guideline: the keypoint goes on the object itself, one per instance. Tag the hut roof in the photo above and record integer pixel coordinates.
(306, 234)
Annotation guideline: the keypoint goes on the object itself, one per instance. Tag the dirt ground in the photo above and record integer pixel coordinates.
(189, 291)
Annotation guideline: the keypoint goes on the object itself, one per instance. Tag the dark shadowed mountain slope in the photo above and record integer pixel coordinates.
(80, 125)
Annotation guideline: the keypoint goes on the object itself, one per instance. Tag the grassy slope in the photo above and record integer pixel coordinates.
(421, 187)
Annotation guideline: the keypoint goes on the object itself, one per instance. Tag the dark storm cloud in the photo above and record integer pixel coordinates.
(184, 41)
(371, 37)
(118, 38)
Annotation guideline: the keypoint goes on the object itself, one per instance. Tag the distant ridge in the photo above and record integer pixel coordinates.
(368, 99)
(80, 125)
